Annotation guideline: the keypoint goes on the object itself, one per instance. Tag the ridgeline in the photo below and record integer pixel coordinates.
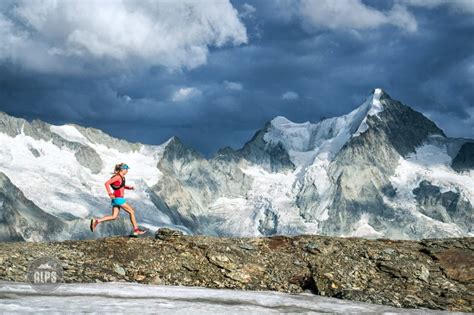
(434, 273)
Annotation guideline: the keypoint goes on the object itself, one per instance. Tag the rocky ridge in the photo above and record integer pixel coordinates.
(434, 273)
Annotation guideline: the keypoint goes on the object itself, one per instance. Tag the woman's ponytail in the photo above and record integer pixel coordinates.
(117, 168)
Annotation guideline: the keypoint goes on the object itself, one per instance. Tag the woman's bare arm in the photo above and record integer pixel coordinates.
(110, 181)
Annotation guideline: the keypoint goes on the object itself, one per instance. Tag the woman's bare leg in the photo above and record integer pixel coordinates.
(130, 211)
(115, 213)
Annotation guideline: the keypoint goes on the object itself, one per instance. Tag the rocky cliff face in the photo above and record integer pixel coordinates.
(444, 206)
(21, 219)
(382, 170)
(464, 159)
(436, 274)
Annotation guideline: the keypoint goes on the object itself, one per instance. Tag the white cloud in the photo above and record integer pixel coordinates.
(460, 6)
(233, 86)
(353, 14)
(290, 95)
(174, 34)
(185, 93)
(356, 15)
(127, 98)
(248, 11)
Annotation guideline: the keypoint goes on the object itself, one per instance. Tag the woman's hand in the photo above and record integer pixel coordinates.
(111, 195)
(130, 187)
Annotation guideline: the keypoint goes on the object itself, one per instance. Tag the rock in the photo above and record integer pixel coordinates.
(312, 248)
(190, 265)
(165, 233)
(89, 158)
(424, 274)
(389, 251)
(239, 275)
(457, 263)
(464, 160)
(412, 299)
(253, 269)
(246, 246)
(119, 270)
(157, 280)
(221, 261)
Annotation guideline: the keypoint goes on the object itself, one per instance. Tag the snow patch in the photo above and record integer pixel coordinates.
(277, 192)
(69, 132)
(372, 106)
(363, 229)
(432, 163)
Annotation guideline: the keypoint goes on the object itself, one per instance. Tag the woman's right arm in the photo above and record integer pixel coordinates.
(107, 185)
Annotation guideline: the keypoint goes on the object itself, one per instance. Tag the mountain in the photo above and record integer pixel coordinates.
(382, 170)
(61, 170)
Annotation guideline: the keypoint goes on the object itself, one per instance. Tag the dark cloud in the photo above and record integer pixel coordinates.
(330, 70)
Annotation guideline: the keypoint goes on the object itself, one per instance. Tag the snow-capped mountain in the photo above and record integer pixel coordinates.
(383, 170)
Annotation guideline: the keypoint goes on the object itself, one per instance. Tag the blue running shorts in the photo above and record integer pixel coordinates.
(118, 201)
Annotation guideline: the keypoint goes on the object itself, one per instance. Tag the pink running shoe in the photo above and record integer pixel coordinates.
(138, 231)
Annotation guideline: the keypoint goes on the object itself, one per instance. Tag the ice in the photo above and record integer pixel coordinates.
(238, 214)
(69, 132)
(115, 297)
(275, 192)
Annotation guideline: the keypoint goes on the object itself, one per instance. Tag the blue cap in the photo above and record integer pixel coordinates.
(124, 167)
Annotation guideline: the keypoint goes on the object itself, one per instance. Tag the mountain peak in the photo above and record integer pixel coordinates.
(374, 104)
(379, 94)
(175, 148)
(280, 120)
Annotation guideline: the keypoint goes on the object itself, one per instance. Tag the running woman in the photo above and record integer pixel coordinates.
(117, 182)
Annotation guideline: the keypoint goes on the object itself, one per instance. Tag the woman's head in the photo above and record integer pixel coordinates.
(121, 168)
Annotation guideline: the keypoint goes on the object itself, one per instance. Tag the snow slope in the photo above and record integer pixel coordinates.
(57, 183)
(120, 298)
(431, 162)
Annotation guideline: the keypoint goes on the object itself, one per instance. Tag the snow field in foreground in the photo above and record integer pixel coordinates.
(132, 297)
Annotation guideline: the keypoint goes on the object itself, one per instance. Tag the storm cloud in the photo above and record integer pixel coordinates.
(213, 72)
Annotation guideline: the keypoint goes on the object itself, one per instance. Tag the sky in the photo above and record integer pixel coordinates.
(214, 72)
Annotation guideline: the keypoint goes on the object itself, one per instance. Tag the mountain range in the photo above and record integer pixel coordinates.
(383, 170)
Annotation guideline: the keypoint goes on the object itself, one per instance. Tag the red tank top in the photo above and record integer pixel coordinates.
(119, 192)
